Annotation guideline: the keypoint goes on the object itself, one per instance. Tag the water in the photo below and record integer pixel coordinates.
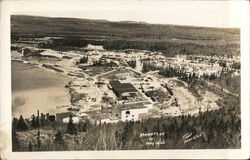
(34, 88)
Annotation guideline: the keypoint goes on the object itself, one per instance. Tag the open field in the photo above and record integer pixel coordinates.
(94, 71)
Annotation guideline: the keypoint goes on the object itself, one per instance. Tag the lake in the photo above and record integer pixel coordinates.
(35, 88)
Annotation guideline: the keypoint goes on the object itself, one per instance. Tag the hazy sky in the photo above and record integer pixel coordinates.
(197, 13)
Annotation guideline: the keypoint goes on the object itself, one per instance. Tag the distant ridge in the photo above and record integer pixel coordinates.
(125, 21)
(129, 34)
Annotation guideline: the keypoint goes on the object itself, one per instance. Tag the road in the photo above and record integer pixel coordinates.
(219, 87)
(102, 74)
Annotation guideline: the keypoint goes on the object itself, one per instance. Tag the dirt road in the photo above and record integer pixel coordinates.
(219, 87)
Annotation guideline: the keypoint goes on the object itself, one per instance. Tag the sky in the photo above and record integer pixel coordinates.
(226, 14)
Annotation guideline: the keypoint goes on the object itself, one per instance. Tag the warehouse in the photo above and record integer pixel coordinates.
(123, 91)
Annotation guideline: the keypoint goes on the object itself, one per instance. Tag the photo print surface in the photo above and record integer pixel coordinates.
(128, 79)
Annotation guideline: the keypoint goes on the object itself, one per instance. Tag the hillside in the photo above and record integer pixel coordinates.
(160, 36)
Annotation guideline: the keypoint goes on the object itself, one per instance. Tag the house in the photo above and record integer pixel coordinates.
(123, 91)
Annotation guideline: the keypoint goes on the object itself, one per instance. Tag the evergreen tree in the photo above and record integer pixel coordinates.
(83, 59)
(42, 119)
(38, 140)
(127, 133)
(33, 121)
(58, 142)
(58, 138)
(21, 124)
(15, 141)
(14, 123)
(145, 67)
(84, 127)
(79, 127)
(132, 63)
(30, 147)
(37, 122)
(71, 129)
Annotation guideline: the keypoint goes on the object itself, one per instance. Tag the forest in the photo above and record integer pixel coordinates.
(218, 129)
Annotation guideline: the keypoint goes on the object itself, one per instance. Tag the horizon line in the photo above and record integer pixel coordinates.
(124, 21)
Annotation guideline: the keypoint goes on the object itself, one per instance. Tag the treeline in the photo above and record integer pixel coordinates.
(226, 78)
(132, 63)
(146, 67)
(84, 59)
(105, 64)
(35, 130)
(172, 48)
(236, 65)
(229, 81)
(166, 47)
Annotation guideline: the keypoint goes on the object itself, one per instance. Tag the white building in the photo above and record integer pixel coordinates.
(75, 120)
(172, 111)
(133, 114)
(109, 120)
(95, 47)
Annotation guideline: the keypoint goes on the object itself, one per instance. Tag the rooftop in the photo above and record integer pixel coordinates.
(122, 87)
(133, 106)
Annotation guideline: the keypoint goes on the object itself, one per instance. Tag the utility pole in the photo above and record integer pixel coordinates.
(38, 118)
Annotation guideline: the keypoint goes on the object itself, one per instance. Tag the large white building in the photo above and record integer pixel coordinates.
(74, 120)
(133, 114)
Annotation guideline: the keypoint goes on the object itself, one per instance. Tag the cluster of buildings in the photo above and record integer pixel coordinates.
(118, 112)
(42, 41)
(88, 93)
(200, 65)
